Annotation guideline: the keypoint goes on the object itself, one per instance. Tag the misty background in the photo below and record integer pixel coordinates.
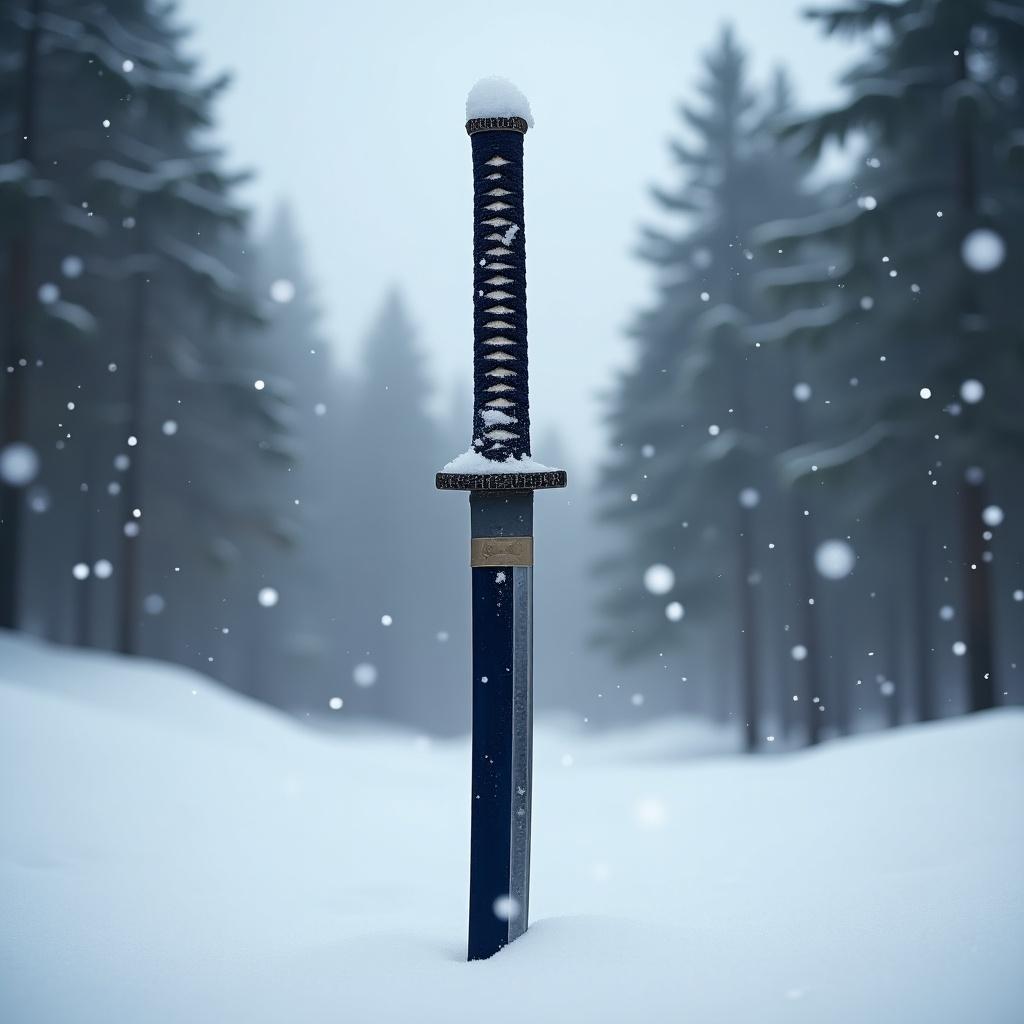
(778, 353)
(355, 116)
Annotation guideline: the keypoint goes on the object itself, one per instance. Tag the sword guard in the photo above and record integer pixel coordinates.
(501, 481)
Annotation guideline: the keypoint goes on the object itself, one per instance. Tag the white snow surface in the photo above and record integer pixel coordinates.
(472, 461)
(497, 97)
(175, 854)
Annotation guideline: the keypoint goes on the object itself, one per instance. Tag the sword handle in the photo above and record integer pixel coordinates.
(501, 384)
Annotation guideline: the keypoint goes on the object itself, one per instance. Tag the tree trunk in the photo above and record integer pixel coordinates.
(977, 585)
(16, 344)
(806, 613)
(838, 710)
(719, 694)
(809, 632)
(891, 662)
(137, 354)
(978, 607)
(922, 612)
(750, 681)
(84, 589)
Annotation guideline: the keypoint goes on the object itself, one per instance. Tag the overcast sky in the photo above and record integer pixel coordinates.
(354, 112)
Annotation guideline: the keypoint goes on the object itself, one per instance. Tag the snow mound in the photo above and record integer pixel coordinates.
(172, 853)
(472, 461)
(497, 97)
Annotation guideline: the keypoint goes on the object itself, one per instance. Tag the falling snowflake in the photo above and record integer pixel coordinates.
(983, 250)
(282, 290)
(834, 559)
(39, 500)
(364, 674)
(659, 579)
(506, 908)
(992, 515)
(267, 597)
(19, 464)
(972, 391)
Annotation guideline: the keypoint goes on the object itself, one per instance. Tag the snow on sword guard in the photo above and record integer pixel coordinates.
(499, 472)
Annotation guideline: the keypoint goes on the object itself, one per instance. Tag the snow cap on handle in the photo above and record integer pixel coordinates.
(497, 99)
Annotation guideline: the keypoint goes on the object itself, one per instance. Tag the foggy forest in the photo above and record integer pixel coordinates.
(778, 606)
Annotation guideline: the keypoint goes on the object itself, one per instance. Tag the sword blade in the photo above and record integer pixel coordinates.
(522, 748)
(502, 752)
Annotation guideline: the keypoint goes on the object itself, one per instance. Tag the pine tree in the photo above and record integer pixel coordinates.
(296, 664)
(692, 430)
(136, 303)
(412, 568)
(907, 285)
(176, 256)
(34, 202)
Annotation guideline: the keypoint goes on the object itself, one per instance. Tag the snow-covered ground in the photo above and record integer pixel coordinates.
(172, 853)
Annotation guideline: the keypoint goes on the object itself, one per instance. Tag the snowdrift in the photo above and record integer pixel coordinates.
(172, 853)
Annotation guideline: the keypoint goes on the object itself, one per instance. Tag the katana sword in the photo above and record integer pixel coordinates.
(501, 477)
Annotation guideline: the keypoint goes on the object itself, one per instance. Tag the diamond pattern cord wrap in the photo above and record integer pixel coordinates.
(501, 389)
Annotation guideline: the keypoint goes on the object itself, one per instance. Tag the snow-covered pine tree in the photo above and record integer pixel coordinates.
(404, 553)
(36, 208)
(916, 305)
(692, 427)
(178, 256)
(155, 290)
(291, 658)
